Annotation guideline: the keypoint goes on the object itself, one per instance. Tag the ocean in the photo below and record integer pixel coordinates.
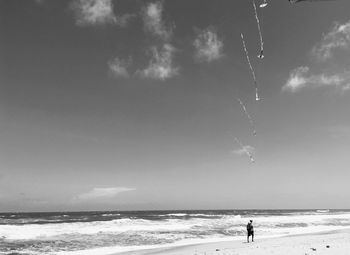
(102, 233)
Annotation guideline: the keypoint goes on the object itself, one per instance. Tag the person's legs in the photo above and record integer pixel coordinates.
(250, 234)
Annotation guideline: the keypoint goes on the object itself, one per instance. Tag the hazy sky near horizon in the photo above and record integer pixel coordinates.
(131, 104)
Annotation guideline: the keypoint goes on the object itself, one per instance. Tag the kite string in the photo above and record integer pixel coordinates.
(248, 59)
(257, 98)
(245, 150)
(248, 116)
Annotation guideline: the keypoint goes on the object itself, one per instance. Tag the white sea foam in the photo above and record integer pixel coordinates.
(322, 211)
(177, 214)
(110, 214)
(135, 234)
(234, 222)
(36, 231)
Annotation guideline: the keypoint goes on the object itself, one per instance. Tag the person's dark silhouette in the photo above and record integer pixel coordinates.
(250, 231)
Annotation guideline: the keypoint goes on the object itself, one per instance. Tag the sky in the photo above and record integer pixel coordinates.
(133, 105)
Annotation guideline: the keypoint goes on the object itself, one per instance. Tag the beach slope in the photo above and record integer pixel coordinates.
(325, 243)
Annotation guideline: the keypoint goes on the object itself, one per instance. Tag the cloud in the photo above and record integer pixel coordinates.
(243, 151)
(119, 68)
(301, 78)
(333, 73)
(339, 132)
(208, 47)
(97, 12)
(153, 20)
(337, 38)
(100, 193)
(160, 66)
(296, 79)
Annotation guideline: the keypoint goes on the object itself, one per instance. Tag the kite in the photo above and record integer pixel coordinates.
(264, 4)
(245, 150)
(257, 98)
(248, 115)
(261, 55)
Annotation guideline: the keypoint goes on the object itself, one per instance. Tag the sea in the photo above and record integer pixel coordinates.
(110, 232)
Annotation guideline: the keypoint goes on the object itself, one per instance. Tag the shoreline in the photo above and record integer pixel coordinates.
(337, 240)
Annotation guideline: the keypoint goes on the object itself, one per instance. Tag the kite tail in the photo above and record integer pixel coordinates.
(261, 54)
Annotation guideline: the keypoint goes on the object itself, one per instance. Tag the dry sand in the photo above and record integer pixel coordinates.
(325, 243)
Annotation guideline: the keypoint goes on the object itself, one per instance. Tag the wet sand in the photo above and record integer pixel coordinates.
(324, 243)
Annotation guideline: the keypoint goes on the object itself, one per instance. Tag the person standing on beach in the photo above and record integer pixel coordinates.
(250, 230)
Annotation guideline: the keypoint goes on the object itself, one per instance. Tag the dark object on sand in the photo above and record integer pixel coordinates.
(327, 246)
(314, 249)
(217, 250)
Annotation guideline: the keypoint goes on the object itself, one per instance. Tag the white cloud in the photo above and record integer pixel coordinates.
(100, 193)
(153, 20)
(333, 72)
(246, 149)
(119, 68)
(301, 78)
(296, 79)
(339, 132)
(97, 12)
(208, 46)
(160, 66)
(337, 38)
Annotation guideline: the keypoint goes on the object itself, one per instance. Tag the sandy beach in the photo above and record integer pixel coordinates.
(323, 243)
